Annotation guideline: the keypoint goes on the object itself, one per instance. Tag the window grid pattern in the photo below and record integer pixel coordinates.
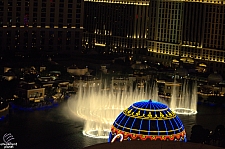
(117, 26)
(45, 25)
(165, 21)
(202, 27)
(214, 27)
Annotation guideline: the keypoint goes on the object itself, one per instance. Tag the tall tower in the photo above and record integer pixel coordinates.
(53, 26)
(187, 29)
(115, 26)
(165, 29)
(165, 21)
(204, 33)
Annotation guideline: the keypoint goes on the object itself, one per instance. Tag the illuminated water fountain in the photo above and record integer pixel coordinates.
(184, 99)
(99, 106)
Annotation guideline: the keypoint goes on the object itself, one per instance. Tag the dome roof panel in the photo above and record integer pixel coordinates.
(150, 119)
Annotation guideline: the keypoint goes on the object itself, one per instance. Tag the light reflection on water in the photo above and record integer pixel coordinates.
(55, 128)
(188, 122)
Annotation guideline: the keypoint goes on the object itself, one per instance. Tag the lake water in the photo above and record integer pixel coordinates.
(56, 128)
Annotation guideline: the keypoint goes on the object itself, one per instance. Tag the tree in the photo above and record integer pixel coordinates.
(219, 134)
(197, 134)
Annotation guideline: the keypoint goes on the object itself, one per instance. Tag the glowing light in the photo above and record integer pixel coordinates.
(99, 44)
(99, 106)
(122, 2)
(156, 127)
(95, 133)
(4, 109)
(203, 65)
(187, 102)
(117, 136)
(185, 111)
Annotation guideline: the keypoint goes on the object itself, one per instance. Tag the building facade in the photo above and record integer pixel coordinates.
(115, 26)
(41, 25)
(158, 30)
(188, 29)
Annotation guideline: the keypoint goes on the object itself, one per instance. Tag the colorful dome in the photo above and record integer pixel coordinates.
(147, 120)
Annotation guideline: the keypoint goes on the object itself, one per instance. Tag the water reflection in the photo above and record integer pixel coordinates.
(55, 128)
(189, 121)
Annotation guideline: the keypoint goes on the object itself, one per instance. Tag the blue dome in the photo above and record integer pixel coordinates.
(148, 119)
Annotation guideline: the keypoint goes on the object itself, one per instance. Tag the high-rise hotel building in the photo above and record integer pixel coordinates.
(159, 30)
(188, 29)
(43, 25)
(115, 26)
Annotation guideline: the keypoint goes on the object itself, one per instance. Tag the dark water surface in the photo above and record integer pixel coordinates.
(55, 128)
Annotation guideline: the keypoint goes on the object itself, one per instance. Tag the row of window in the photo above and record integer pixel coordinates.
(114, 41)
(164, 48)
(206, 54)
(42, 33)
